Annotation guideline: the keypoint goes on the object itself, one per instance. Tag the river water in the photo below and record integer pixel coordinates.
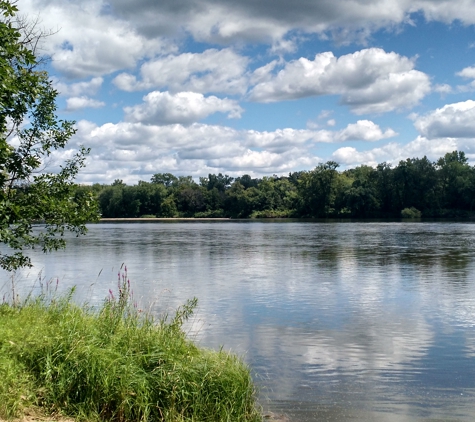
(338, 321)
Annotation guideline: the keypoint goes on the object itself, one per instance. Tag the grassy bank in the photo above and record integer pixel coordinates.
(114, 363)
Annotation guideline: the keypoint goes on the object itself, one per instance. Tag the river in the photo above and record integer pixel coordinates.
(339, 321)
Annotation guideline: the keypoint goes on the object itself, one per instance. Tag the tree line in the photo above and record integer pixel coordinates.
(414, 187)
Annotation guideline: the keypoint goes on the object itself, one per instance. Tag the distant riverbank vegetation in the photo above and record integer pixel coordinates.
(415, 187)
(115, 363)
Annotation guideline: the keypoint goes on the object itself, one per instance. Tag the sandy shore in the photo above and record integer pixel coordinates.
(165, 219)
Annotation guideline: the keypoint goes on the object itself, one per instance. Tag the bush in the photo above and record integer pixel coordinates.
(273, 214)
(411, 213)
(219, 213)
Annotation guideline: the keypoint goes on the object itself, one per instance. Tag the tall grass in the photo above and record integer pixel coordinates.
(115, 364)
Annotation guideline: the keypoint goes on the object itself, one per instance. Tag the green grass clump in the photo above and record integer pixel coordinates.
(115, 364)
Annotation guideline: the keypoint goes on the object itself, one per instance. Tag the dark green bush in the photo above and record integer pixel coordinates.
(411, 213)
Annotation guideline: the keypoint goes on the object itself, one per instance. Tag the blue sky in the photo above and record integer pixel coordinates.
(261, 87)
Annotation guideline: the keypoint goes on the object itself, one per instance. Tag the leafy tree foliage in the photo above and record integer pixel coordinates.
(30, 132)
(165, 179)
(445, 188)
(361, 196)
(456, 181)
(317, 189)
(220, 182)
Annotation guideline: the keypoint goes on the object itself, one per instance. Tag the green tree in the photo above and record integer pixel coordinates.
(165, 179)
(219, 182)
(415, 184)
(214, 201)
(288, 194)
(190, 199)
(30, 132)
(247, 181)
(362, 197)
(150, 196)
(456, 180)
(241, 202)
(385, 187)
(122, 201)
(317, 190)
(168, 207)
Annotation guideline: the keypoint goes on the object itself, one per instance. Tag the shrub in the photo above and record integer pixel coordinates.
(273, 214)
(219, 213)
(411, 213)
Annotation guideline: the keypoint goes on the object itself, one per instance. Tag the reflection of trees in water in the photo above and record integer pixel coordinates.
(328, 258)
(322, 256)
(469, 348)
(457, 264)
(448, 261)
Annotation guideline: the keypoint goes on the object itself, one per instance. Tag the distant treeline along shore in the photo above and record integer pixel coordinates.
(415, 187)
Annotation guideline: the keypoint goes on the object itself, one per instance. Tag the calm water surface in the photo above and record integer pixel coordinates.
(339, 321)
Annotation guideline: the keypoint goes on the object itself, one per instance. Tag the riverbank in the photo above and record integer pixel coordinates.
(114, 363)
(162, 219)
(270, 417)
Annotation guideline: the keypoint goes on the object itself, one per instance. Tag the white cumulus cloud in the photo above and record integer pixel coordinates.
(98, 37)
(227, 21)
(77, 103)
(199, 149)
(79, 88)
(368, 81)
(211, 71)
(468, 72)
(451, 121)
(88, 42)
(394, 152)
(184, 107)
(134, 151)
(443, 88)
(364, 130)
(444, 10)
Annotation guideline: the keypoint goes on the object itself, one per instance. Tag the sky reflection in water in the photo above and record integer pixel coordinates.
(339, 321)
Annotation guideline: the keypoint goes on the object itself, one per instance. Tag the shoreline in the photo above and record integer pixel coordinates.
(167, 219)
